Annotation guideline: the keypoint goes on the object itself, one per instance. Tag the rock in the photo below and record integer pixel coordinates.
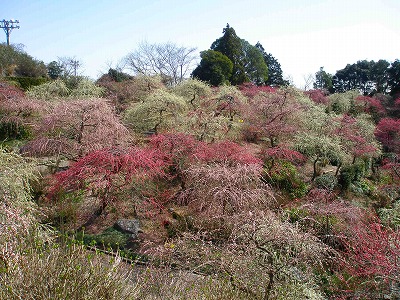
(130, 226)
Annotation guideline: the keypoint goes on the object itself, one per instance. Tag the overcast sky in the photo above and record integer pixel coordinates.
(303, 35)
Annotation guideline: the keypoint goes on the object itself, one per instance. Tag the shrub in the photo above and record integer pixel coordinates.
(351, 174)
(65, 272)
(109, 238)
(286, 177)
(27, 82)
(326, 181)
(222, 189)
(13, 131)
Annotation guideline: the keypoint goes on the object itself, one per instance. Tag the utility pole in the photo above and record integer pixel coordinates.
(75, 65)
(8, 26)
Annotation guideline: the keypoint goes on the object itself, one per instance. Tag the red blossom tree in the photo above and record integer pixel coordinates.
(250, 90)
(353, 142)
(269, 116)
(372, 260)
(225, 152)
(270, 155)
(318, 96)
(370, 105)
(388, 133)
(108, 173)
(392, 164)
(180, 147)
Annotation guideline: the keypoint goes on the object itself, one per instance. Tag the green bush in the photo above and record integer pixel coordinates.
(362, 187)
(286, 177)
(351, 174)
(326, 181)
(13, 131)
(27, 82)
(109, 238)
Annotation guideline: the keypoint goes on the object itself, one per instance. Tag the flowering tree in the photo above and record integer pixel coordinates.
(107, 174)
(356, 138)
(221, 189)
(8, 91)
(58, 89)
(184, 151)
(318, 96)
(76, 127)
(388, 133)
(261, 256)
(320, 149)
(193, 91)
(18, 213)
(215, 117)
(18, 115)
(269, 116)
(160, 110)
(250, 90)
(370, 105)
(372, 260)
(123, 93)
(271, 155)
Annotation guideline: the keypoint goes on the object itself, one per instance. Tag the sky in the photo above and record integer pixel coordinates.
(303, 35)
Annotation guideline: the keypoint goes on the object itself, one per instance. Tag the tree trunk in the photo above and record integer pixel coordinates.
(315, 169)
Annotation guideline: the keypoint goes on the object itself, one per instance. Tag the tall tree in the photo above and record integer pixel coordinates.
(231, 46)
(54, 70)
(369, 77)
(170, 61)
(394, 78)
(275, 77)
(323, 80)
(255, 67)
(379, 74)
(215, 68)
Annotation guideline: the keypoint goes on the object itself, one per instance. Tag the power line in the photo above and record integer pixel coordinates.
(8, 26)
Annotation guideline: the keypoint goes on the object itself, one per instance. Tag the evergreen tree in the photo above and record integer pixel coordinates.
(214, 68)
(275, 77)
(255, 67)
(323, 80)
(230, 45)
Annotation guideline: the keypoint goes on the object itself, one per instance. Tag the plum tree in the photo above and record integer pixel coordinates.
(105, 175)
(76, 127)
(160, 110)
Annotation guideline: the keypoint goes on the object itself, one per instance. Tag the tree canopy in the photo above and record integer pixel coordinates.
(231, 46)
(215, 68)
(168, 60)
(275, 76)
(249, 63)
(369, 77)
(16, 62)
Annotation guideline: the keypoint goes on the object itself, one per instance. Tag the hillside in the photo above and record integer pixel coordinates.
(233, 192)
